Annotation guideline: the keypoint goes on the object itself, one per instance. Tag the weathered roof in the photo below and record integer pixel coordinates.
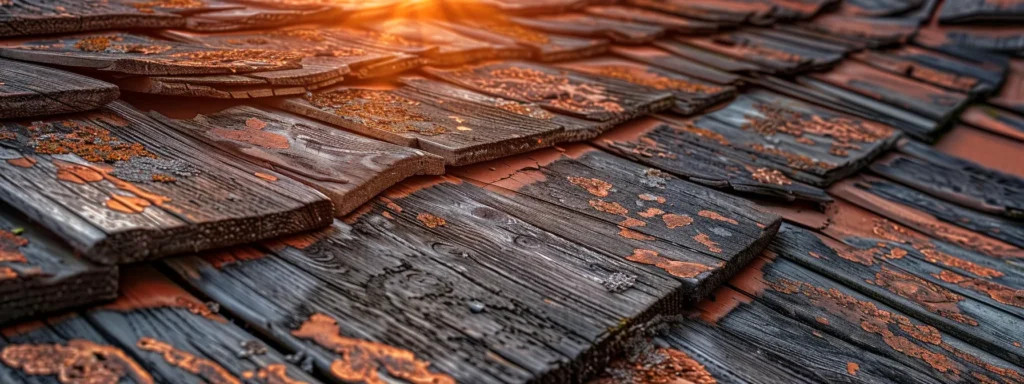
(504, 191)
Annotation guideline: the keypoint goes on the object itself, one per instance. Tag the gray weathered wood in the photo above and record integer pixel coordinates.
(31, 90)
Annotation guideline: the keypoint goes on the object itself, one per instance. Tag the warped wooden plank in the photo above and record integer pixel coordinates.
(32, 17)
(995, 120)
(770, 56)
(460, 132)
(254, 17)
(182, 87)
(704, 231)
(453, 48)
(934, 68)
(581, 24)
(139, 55)
(65, 349)
(869, 324)
(693, 54)
(954, 179)
(870, 272)
(640, 15)
(118, 188)
(32, 90)
(40, 274)
(719, 336)
(691, 95)
(464, 291)
(998, 236)
(921, 98)
(575, 129)
(571, 93)
(158, 323)
(677, 149)
(544, 46)
(349, 169)
(971, 11)
(873, 31)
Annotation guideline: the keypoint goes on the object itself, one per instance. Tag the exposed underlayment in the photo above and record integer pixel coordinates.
(511, 191)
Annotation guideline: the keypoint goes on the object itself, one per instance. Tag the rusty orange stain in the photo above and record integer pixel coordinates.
(814, 254)
(683, 269)
(596, 187)
(361, 360)
(821, 319)
(271, 374)
(91, 143)
(254, 134)
(612, 208)
(704, 239)
(659, 366)
(391, 204)
(852, 368)
(387, 215)
(10, 245)
(932, 297)
(75, 173)
(8, 273)
(22, 162)
(207, 370)
(430, 220)
(414, 184)
(650, 197)
(716, 216)
(127, 204)
(673, 221)
(265, 176)
(1016, 344)
(770, 176)
(302, 240)
(633, 235)
(651, 212)
(80, 361)
(221, 258)
(144, 287)
(725, 300)
(996, 291)
(630, 222)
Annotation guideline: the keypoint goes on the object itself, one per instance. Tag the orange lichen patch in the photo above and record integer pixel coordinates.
(430, 220)
(716, 216)
(612, 208)
(10, 245)
(689, 127)
(651, 79)
(675, 268)
(362, 360)
(996, 291)
(207, 370)
(220, 259)
(536, 86)
(876, 321)
(673, 221)
(704, 239)
(78, 174)
(271, 374)
(796, 161)
(162, 178)
(378, 109)
(391, 204)
(8, 273)
(659, 366)
(634, 235)
(770, 176)
(630, 222)
(151, 6)
(651, 212)
(852, 368)
(80, 361)
(22, 162)
(596, 187)
(887, 230)
(91, 143)
(265, 176)
(95, 43)
(144, 287)
(650, 197)
(254, 134)
(524, 109)
(127, 204)
(932, 297)
(237, 58)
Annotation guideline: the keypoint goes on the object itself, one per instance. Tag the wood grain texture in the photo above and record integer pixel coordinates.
(874, 32)
(347, 168)
(31, 90)
(35, 17)
(140, 55)
(995, 120)
(691, 95)
(477, 293)
(178, 339)
(669, 22)
(972, 11)
(561, 91)
(452, 48)
(461, 132)
(259, 16)
(701, 10)
(869, 324)
(543, 46)
(581, 24)
(118, 188)
(954, 179)
(688, 59)
(935, 68)
(691, 233)
(39, 274)
(680, 150)
(771, 56)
